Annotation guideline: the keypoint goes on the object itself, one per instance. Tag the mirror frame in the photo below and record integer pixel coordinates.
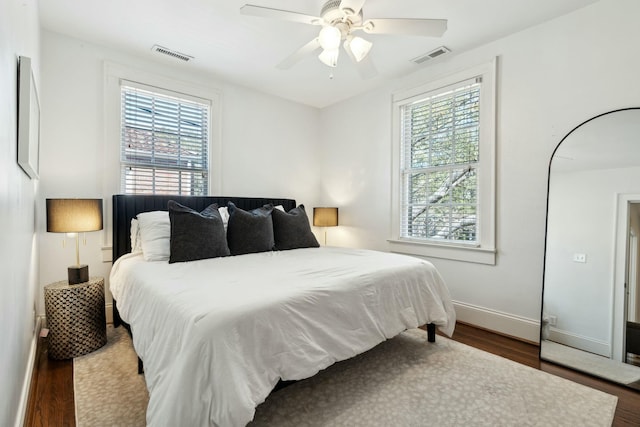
(546, 228)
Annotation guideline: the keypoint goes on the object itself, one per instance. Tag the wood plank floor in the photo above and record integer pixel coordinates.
(51, 395)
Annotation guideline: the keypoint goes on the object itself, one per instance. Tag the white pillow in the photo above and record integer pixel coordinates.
(224, 213)
(280, 208)
(135, 237)
(155, 235)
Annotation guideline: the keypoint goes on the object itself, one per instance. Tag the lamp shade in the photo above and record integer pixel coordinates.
(329, 38)
(325, 217)
(359, 47)
(329, 57)
(74, 215)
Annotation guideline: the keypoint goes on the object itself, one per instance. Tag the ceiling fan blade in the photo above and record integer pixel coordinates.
(352, 6)
(365, 66)
(410, 27)
(299, 54)
(267, 12)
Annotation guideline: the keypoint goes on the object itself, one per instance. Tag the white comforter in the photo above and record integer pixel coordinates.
(216, 335)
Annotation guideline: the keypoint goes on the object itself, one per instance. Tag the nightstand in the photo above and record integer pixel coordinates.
(75, 318)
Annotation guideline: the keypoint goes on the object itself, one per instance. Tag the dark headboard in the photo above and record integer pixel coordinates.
(126, 207)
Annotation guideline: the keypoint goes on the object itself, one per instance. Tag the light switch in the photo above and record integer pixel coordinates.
(579, 257)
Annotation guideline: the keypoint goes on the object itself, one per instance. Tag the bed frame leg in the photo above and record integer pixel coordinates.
(117, 320)
(431, 332)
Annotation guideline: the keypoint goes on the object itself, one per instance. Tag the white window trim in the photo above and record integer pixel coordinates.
(113, 75)
(484, 251)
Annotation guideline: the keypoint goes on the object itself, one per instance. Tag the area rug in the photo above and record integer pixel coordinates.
(401, 382)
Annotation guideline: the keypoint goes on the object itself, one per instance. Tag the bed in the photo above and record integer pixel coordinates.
(217, 335)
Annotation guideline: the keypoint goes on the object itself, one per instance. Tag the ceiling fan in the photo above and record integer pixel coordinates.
(339, 19)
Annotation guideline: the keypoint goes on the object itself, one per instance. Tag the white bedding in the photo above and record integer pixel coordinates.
(216, 335)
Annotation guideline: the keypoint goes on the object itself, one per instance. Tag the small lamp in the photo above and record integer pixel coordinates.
(75, 216)
(325, 217)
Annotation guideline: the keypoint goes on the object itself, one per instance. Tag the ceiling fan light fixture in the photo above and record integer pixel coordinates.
(329, 57)
(359, 47)
(338, 19)
(330, 38)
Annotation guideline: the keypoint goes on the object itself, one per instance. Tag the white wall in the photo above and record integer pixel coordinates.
(583, 220)
(19, 36)
(551, 78)
(269, 145)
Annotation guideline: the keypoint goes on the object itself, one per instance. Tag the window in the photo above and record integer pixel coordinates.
(440, 140)
(444, 168)
(164, 142)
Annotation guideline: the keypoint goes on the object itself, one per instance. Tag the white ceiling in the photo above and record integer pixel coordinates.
(245, 49)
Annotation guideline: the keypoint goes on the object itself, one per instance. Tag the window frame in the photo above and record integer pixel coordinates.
(484, 250)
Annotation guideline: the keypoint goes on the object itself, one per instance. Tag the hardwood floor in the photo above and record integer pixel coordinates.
(51, 395)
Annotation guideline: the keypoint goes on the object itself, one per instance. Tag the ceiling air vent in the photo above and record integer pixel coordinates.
(172, 53)
(431, 55)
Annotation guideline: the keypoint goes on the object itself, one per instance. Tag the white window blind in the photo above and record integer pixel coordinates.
(440, 155)
(164, 143)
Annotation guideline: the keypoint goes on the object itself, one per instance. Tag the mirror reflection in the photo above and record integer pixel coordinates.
(591, 301)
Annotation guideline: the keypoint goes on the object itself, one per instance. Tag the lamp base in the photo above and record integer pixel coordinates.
(78, 274)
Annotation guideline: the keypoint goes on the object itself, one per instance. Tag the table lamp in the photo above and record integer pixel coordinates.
(75, 216)
(325, 217)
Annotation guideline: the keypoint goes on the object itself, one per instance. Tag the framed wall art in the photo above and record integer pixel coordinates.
(28, 120)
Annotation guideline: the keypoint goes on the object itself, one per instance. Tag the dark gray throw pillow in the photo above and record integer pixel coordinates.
(249, 231)
(196, 235)
(291, 230)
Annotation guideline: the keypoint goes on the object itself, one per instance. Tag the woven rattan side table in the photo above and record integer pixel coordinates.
(75, 318)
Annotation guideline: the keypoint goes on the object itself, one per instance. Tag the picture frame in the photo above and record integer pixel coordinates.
(28, 120)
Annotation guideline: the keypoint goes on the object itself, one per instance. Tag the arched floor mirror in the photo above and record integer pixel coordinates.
(591, 291)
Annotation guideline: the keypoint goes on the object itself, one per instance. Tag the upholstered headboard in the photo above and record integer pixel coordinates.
(126, 207)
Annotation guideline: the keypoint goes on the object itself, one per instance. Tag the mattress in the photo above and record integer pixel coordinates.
(216, 335)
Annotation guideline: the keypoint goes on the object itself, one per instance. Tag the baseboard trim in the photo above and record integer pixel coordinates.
(581, 342)
(497, 321)
(109, 312)
(26, 383)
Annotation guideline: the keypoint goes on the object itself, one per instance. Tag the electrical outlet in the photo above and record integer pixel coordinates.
(580, 258)
(553, 320)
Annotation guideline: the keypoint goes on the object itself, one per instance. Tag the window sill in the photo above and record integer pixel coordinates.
(452, 252)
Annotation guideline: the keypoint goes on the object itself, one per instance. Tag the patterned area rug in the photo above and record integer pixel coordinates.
(402, 382)
(107, 389)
